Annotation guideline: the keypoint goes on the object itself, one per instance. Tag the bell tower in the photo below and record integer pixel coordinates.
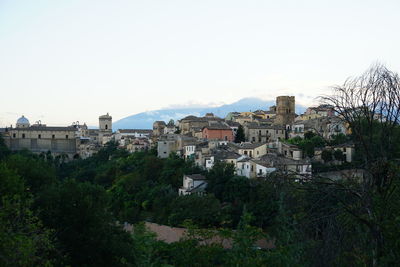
(285, 110)
(105, 123)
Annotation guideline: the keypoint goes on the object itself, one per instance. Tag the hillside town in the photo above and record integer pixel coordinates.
(199, 133)
(257, 143)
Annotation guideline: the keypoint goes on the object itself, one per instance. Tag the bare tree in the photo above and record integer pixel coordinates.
(363, 101)
(370, 107)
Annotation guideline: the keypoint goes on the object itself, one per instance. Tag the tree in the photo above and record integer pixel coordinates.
(338, 139)
(309, 135)
(87, 232)
(4, 151)
(318, 141)
(308, 147)
(338, 154)
(36, 172)
(326, 155)
(24, 241)
(240, 137)
(218, 177)
(204, 210)
(370, 106)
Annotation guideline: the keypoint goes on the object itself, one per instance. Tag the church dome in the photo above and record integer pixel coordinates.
(22, 122)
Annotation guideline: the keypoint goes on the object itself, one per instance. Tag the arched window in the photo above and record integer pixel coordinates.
(106, 127)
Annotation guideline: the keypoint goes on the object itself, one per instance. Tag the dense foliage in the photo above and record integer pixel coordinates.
(57, 213)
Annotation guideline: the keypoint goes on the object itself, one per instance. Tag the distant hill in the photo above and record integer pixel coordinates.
(145, 120)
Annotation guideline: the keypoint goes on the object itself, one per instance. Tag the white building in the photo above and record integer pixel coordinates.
(132, 133)
(245, 167)
(263, 168)
(193, 184)
(209, 162)
(189, 151)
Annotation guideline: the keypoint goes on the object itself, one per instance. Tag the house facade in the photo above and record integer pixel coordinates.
(218, 131)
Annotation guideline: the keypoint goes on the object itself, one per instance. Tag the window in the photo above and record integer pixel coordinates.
(23, 135)
(106, 127)
(53, 136)
(242, 166)
(258, 152)
(226, 138)
(14, 135)
(39, 136)
(344, 149)
(66, 137)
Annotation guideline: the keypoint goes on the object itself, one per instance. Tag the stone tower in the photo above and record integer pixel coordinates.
(105, 123)
(105, 128)
(285, 110)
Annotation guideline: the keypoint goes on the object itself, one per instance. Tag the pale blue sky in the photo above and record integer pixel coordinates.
(63, 61)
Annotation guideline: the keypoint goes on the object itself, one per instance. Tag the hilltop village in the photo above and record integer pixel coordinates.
(263, 188)
(257, 143)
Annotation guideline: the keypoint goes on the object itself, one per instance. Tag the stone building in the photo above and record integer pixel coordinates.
(40, 138)
(326, 127)
(105, 128)
(252, 150)
(285, 110)
(192, 124)
(263, 133)
(170, 128)
(317, 112)
(158, 128)
(173, 143)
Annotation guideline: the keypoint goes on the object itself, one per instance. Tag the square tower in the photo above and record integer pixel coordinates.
(285, 110)
(105, 123)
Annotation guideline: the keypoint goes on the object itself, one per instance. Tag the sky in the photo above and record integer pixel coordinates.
(73, 60)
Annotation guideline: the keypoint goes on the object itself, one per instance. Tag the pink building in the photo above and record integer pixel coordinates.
(218, 131)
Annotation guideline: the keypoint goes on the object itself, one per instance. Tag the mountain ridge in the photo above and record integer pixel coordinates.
(144, 120)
